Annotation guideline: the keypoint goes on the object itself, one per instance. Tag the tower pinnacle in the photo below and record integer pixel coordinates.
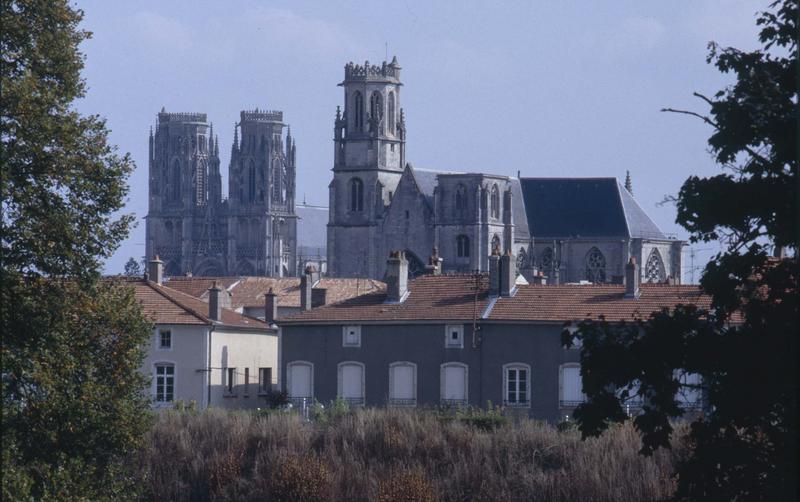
(628, 184)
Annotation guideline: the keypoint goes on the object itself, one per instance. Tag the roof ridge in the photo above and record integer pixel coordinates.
(152, 285)
(624, 213)
(179, 293)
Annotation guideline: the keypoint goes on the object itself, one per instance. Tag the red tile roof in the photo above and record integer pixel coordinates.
(165, 305)
(249, 291)
(453, 297)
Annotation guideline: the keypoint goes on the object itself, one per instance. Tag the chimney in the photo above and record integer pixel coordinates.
(434, 263)
(396, 277)
(270, 307)
(318, 297)
(632, 279)
(508, 273)
(307, 281)
(215, 302)
(494, 273)
(539, 278)
(155, 269)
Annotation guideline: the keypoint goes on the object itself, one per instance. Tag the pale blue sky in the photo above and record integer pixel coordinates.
(561, 88)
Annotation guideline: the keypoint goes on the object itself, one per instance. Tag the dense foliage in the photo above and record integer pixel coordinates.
(745, 348)
(72, 344)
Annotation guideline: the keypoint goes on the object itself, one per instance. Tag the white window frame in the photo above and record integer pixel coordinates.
(561, 402)
(340, 382)
(159, 346)
(449, 343)
(345, 330)
(156, 364)
(262, 388)
(577, 343)
(442, 383)
(230, 382)
(526, 403)
(403, 402)
(289, 379)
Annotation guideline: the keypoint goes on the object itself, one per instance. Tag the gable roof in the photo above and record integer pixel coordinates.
(431, 298)
(163, 305)
(453, 297)
(198, 286)
(584, 207)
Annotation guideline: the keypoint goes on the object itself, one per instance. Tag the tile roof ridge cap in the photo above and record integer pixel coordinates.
(179, 293)
(158, 289)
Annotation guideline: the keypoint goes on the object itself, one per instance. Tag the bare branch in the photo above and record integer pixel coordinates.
(686, 112)
(707, 100)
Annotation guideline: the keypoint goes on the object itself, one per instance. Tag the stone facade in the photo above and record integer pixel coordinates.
(189, 224)
(570, 229)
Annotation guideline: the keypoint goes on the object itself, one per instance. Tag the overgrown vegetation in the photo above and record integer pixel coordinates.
(395, 455)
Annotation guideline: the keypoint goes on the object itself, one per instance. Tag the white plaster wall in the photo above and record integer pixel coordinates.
(240, 350)
(188, 354)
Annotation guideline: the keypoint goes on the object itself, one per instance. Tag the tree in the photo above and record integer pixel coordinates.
(132, 268)
(744, 348)
(73, 405)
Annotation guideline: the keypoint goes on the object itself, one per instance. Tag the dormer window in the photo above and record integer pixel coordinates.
(351, 336)
(454, 336)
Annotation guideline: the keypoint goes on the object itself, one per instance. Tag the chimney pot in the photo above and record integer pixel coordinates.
(632, 279)
(215, 302)
(508, 273)
(270, 306)
(396, 277)
(156, 270)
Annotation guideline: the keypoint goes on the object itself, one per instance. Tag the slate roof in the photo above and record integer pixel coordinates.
(249, 291)
(164, 305)
(585, 207)
(453, 297)
(312, 229)
(450, 297)
(426, 181)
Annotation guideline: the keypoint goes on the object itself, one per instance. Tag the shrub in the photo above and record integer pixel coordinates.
(300, 479)
(407, 485)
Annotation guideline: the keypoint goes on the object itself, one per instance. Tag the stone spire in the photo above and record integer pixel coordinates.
(628, 184)
(235, 145)
(211, 139)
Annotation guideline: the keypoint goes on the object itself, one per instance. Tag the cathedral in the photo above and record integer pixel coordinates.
(192, 227)
(558, 229)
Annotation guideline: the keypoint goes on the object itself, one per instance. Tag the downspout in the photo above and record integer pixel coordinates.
(208, 365)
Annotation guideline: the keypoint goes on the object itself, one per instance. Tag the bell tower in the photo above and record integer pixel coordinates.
(369, 157)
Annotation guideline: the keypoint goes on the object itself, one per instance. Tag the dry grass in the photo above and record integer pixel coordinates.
(392, 455)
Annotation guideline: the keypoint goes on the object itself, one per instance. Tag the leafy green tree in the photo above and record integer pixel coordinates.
(132, 268)
(745, 347)
(73, 405)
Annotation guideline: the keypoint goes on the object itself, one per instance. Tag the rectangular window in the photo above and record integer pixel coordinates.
(264, 380)
(454, 336)
(231, 384)
(351, 336)
(517, 386)
(246, 381)
(165, 383)
(164, 339)
(571, 386)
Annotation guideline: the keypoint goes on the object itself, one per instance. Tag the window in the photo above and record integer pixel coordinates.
(164, 339)
(175, 181)
(654, 268)
(251, 182)
(522, 258)
(165, 383)
(454, 336)
(300, 380)
(376, 106)
(461, 200)
(356, 195)
(570, 386)
(546, 259)
(454, 384)
(391, 118)
(496, 244)
(358, 118)
(495, 205)
(595, 266)
(462, 246)
(516, 384)
(230, 384)
(351, 383)
(246, 382)
(277, 181)
(264, 380)
(577, 343)
(403, 384)
(351, 336)
(690, 393)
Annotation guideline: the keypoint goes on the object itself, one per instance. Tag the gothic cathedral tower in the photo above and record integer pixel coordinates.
(262, 221)
(369, 157)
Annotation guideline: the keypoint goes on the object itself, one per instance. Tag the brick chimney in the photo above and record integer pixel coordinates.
(155, 269)
(396, 277)
(434, 263)
(632, 279)
(270, 306)
(494, 273)
(307, 281)
(215, 302)
(508, 273)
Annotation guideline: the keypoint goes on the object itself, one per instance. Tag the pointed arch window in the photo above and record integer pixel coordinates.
(358, 107)
(595, 266)
(654, 268)
(376, 106)
(175, 182)
(496, 243)
(391, 106)
(495, 202)
(461, 199)
(277, 182)
(251, 181)
(462, 246)
(356, 195)
(546, 259)
(522, 258)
